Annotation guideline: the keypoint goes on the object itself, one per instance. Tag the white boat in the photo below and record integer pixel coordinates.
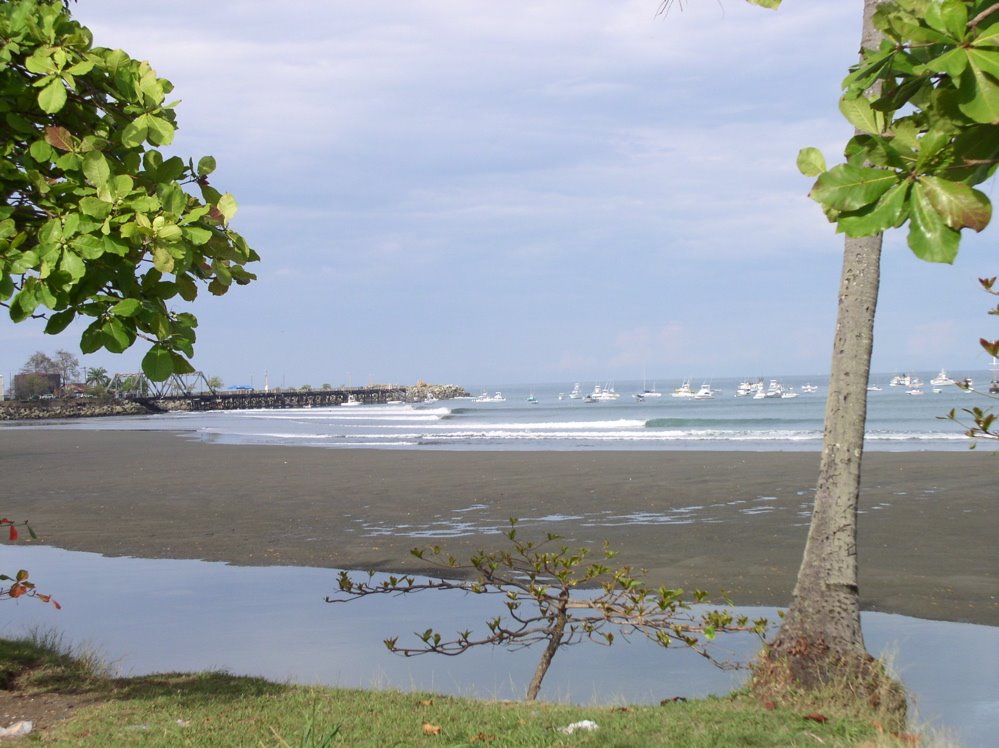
(774, 389)
(900, 380)
(351, 401)
(646, 392)
(603, 393)
(487, 398)
(788, 394)
(914, 391)
(745, 388)
(704, 393)
(683, 390)
(873, 388)
(577, 392)
(809, 388)
(532, 399)
(942, 379)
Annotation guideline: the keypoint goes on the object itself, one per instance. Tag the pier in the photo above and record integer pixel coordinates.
(258, 399)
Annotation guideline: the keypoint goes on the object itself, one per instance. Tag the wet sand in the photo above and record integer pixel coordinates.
(713, 520)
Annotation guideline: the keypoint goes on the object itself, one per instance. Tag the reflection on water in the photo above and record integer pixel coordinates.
(168, 615)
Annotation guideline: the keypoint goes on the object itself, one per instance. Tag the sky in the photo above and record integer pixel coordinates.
(480, 193)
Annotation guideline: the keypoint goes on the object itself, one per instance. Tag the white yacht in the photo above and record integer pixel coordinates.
(809, 388)
(603, 393)
(352, 400)
(683, 390)
(704, 393)
(577, 392)
(942, 379)
(774, 389)
(487, 398)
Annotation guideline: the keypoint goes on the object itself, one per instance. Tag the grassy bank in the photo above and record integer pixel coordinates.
(76, 703)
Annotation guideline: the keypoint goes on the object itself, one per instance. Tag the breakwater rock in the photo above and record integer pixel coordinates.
(422, 391)
(33, 410)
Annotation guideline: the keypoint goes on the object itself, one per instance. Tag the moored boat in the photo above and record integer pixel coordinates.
(683, 390)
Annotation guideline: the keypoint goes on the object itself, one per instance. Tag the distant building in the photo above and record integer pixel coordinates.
(29, 386)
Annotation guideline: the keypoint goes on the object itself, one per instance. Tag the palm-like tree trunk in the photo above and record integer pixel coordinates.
(821, 633)
(824, 617)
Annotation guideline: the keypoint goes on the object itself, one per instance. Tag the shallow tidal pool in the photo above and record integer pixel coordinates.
(156, 615)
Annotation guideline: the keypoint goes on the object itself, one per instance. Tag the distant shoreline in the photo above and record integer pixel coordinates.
(713, 520)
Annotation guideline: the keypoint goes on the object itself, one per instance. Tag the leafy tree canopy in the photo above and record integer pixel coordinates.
(929, 134)
(95, 221)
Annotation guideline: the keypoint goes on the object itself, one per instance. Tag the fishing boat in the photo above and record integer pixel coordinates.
(351, 401)
(487, 398)
(942, 379)
(577, 392)
(683, 390)
(601, 394)
(704, 393)
(809, 388)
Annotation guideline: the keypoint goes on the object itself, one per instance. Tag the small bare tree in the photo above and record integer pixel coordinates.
(555, 596)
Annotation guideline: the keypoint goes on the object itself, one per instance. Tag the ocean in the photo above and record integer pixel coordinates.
(546, 417)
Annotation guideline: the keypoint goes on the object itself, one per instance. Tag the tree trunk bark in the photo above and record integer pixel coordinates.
(821, 632)
(824, 618)
(555, 637)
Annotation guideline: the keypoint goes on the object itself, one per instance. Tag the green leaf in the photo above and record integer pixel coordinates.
(930, 238)
(40, 151)
(768, 4)
(848, 187)
(157, 364)
(197, 235)
(859, 113)
(953, 62)
(986, 60)
(134, 134)
(96, 169)
(52, 97)
(88, 246)
(94, 207)
(73, 264)
(948, 17)
(227, 206)
(864, 74)
(960, 205)
(180, 364)
(890, 211)
(206, 165)
(160, 132)
(978, 96)
(116, 336)
(162, 259)
(59, 322)
(811, 162)
(126, 308)
(187, 288)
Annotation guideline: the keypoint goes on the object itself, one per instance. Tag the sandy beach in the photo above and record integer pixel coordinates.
(715, 520)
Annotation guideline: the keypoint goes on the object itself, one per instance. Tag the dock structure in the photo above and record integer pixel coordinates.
(257, 399)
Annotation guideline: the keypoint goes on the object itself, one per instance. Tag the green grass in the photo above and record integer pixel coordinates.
(217, 709)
